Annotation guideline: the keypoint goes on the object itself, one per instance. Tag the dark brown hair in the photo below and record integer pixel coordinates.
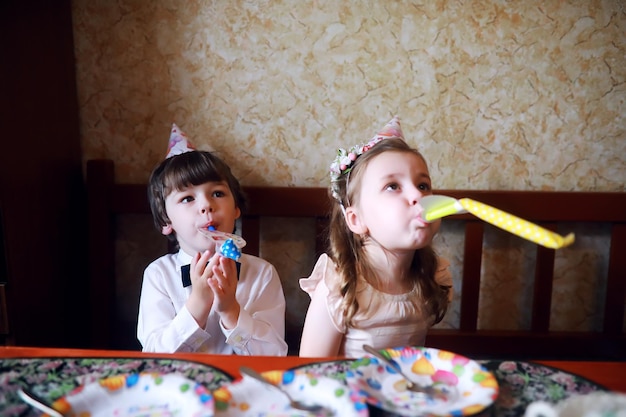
(183, 170)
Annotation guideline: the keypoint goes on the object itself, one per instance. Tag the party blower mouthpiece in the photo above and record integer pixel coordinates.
(231, 244)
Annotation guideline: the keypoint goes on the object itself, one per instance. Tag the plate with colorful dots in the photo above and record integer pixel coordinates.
(135, 395)
(464, 387)
(249, 397)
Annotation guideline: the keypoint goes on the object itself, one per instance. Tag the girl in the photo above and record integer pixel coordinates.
(381, 283)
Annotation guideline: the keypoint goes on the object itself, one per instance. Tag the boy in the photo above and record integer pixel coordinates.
(217, 305)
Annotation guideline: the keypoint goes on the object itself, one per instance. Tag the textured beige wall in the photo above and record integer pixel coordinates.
(498, 95)
(522, 95)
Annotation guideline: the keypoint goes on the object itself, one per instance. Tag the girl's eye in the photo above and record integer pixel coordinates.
(219, 193)
(424, 186)
(186, 199)
(392, 187)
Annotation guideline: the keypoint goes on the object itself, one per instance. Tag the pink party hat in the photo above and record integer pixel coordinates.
(345, 158)
(391, 130)
(179, 143)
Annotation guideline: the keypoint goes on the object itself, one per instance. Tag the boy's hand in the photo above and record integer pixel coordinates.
(201, 298)
(223, 282)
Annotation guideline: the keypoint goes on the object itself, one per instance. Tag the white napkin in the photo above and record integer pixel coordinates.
(596, 404)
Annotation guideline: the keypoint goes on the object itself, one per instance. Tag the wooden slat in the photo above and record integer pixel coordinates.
(616, 282)
(108, 200)
(251, 232)
(101, 256)
(4, 317)
(287, 201)
(472, 259)
(526, 344)
(542, 295)
(321, 229)
(130, 199)
(550, 206)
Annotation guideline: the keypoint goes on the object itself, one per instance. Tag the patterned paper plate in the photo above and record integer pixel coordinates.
(135, 395)
(468, 387)
(249, 397)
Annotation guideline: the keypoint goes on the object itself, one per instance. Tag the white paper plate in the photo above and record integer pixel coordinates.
(135, 395)
(470, 387)
(249, 397)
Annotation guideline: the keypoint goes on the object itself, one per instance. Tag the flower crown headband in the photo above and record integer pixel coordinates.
(345, 159)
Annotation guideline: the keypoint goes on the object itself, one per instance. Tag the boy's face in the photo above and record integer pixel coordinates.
(200, 206)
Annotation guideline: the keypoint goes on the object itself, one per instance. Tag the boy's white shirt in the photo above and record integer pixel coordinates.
(165, 324)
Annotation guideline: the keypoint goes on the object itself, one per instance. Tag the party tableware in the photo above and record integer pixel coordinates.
(37, 402)
(466, 387)
(249, 397)
(310, 407)
(429, 390)
(134, 395)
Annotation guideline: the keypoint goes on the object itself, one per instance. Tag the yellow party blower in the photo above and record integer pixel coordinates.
(438, 206)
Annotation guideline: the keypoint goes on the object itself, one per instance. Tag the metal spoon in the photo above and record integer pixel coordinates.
(317, 409)
(429, 391)
(37, 402)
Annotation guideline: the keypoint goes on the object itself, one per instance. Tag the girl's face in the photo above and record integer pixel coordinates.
(388, 209)
(198, 207)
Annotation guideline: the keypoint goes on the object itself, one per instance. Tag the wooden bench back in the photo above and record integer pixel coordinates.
(108, 200)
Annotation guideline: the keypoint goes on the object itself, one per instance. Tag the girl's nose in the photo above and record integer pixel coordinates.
(415, 196)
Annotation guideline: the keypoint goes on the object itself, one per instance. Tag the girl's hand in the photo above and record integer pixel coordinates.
(223, 282)
(201, 299)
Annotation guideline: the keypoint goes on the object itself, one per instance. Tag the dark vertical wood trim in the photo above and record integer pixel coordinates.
(321, 229)
(616, 281)
(101, 258)
(472, 259)
(542, 289)
(251, 232)
(4, 318)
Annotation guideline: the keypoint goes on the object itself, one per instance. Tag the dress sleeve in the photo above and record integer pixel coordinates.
(325, 281)
(443, 276)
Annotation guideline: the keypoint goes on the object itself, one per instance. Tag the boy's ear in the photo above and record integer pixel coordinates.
(353, 220)
(167, 229)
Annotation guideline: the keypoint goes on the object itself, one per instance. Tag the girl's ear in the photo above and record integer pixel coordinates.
(167, 229)
(353, 220)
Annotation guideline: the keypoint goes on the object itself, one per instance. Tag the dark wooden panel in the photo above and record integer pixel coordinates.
(472, 261)
(41, 177)
(288, 201)
(530, 345)
(107, 200)
(4, 318)
(616, 282)
(251, 232)
(101, 258)
(542, 289)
